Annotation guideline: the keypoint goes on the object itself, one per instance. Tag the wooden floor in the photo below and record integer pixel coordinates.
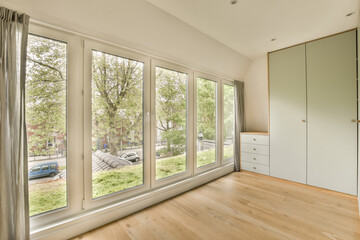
(242, 206)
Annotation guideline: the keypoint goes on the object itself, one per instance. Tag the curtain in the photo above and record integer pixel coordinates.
(14, 206)
(239, 121)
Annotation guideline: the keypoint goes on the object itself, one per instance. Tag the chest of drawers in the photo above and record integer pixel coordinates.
(254, 149)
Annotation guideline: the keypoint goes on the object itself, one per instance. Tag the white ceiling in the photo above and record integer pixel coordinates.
(249, 25)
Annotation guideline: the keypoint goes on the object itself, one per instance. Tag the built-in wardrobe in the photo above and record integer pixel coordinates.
(313, 113)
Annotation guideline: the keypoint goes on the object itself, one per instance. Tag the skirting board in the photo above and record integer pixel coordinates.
(93, 219)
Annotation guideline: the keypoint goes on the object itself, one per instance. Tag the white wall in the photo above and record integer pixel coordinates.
(256, 96)
(140, 25)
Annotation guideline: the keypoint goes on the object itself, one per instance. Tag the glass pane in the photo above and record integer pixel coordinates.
(171, 105)
(229, 119)
(46, 123)
(206, 122)
(117, 123)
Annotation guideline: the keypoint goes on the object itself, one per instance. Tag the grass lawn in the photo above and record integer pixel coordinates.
(107, 182)
(47, 196)
(52, 194)
(228, 152)
(170, 166)
(206, 157)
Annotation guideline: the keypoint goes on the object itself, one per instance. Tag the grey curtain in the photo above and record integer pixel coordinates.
(14, 206)
(239, 121)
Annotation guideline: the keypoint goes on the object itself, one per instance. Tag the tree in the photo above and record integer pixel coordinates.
(171, 110)
(228, 111)
(45, 93)
(117, 88)
(206, 108)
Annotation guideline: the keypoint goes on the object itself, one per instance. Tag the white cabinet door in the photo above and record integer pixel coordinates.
(332, 136)
(287, 83)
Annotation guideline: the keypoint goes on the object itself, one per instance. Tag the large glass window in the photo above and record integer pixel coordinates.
(206, 121)
(228, 130)
(171, 122)
(46, 78)
(140, 124)
(117, 123)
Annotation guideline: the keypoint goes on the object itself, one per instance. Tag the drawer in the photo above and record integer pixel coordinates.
(257, 168)
(255, 139)
(255, 158)
(254, 148)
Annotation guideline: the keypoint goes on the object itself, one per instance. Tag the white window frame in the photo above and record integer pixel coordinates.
(81, 206)
(229, 83)
(89, 202)
(189, 125)
(218, 148)
(73, 127)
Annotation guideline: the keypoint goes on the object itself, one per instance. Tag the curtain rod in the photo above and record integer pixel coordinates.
(134, 49)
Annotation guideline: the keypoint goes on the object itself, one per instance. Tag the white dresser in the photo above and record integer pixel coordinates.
(254, 147)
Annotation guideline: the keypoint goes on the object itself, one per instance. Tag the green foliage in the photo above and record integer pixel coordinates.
(229, 111)
(171, 110)
(117, 106)
(206, 108)
(45, 93)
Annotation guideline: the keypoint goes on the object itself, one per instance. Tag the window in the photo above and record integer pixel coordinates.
(171, 122)
(45, 167)
(229, 124)
(141, 123)
(35, 169)
(206, 124)
(46, 81)
(117, 123)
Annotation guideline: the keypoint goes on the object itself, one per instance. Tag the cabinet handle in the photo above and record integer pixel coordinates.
(254, 139)
(254, 149)
(303, 120)
(254, 167)
(254, 158)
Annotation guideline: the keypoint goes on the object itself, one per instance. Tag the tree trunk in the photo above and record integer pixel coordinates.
(113, 142)
(168, 143)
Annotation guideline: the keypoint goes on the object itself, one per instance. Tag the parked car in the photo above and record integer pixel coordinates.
(130, 156)
(44, 170)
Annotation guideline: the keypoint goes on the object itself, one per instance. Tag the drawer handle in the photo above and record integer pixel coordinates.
(254, 139)
(254, 167)
(254, 158)
(254, 149)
